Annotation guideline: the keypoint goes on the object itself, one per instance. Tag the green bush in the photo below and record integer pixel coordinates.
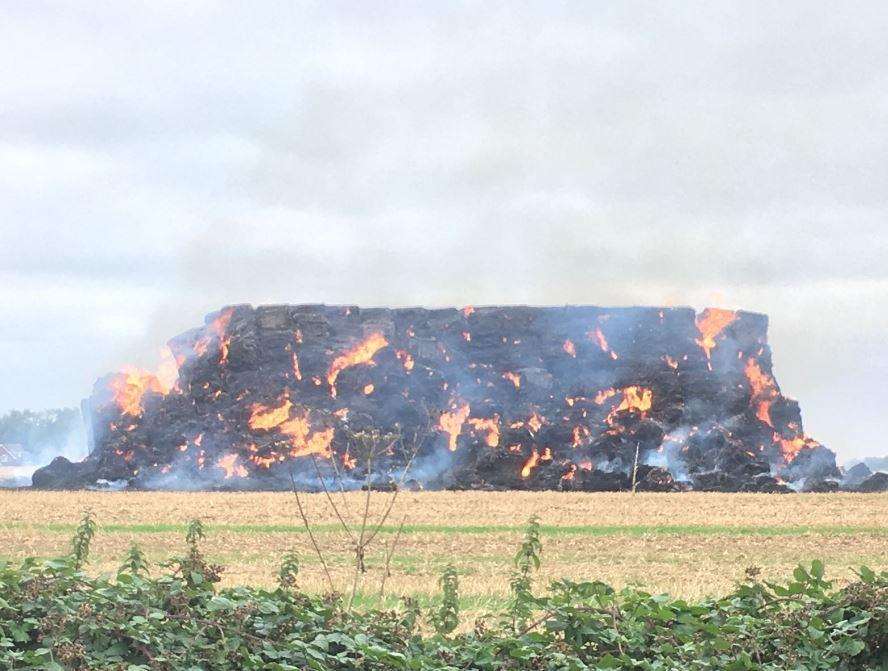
(446, 618)
(53, 616)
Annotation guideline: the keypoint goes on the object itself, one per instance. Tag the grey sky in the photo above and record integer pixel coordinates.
(160, 159)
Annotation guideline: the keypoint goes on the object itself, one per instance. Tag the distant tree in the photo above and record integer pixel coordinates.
(39, 431)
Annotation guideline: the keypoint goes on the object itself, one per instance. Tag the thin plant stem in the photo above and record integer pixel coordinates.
(388, 557)
(635, 467)
(330, 499)
(311, 535)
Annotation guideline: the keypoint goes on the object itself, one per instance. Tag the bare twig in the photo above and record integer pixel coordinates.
(388, 557)
(635, 467)
(311, 535)
(418, 437)
(359, 546)
(340, 480)
(373, 444)
(368, 490)
(330, 498)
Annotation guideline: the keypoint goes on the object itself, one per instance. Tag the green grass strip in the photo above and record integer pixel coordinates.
(546, 530)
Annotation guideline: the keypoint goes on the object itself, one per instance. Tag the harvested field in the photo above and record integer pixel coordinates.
(690, 544)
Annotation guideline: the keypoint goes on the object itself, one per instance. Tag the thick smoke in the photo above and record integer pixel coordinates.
(72, 445)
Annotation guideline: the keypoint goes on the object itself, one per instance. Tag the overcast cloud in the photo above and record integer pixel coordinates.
(158, 160)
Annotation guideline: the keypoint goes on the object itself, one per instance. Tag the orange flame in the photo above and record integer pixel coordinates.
(535, 423)
(710, 323)
(129, 385)
(580, 435)
(570, 348)
(790, 447)
(263, 460)
(467, 310)
(604, 394)
(763, 390)
(530, 464)
(362, 353)
(265, 418)
(368, 389)
(229, 464)
(491, 426)
(405, 358)
(763, 393)
(296, 372)
(304, 442)
(451, 423)
(216, 329)
(514, 378)
(602, 341)
(168, 369)
(637, 399)
(598, 336)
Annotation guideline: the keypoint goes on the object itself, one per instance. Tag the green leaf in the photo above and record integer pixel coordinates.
(608, 661)
(851, 647)
(867, 575)
(721, 644)
(268, 607)
(218, 603)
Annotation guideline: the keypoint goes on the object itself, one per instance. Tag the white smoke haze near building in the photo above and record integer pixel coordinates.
(157, 162)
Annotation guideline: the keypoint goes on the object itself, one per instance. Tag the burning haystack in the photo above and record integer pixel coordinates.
(577, 398)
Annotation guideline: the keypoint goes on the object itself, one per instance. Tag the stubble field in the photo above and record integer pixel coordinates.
(689, 545)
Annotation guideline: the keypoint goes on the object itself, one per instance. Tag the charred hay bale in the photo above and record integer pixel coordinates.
(812, 462)
(716, 481)
(596, 481)
(856, 474)
(877, 482)
(820, 486)
(765, 484)
(63, 474)
(735, 458)
(654, 479)
(506, 397)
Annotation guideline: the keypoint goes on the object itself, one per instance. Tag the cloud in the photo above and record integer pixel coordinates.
(159, 160)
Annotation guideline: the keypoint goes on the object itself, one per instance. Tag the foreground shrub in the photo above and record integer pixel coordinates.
(53, 616)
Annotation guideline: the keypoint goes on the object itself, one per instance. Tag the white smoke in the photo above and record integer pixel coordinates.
(73, 447)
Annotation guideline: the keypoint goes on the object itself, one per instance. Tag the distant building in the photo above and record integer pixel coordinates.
(12, 454)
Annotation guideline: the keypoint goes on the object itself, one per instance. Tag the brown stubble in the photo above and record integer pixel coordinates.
(706, 558)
